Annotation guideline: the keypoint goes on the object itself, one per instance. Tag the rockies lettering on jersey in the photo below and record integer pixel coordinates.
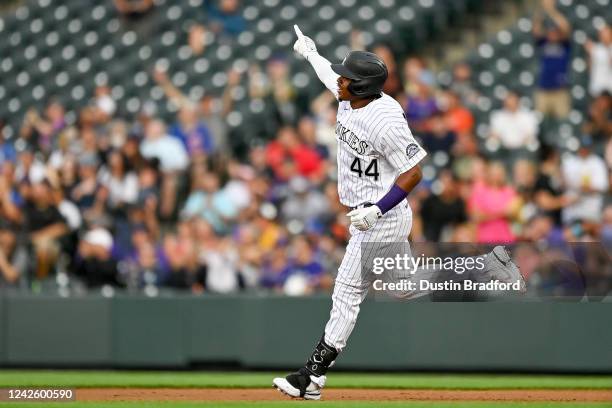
(352, 140)
(375, 145)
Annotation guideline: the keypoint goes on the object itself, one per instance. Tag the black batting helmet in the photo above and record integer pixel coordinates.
(366, 71)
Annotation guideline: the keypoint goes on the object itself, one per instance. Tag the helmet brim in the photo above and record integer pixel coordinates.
(344, 72)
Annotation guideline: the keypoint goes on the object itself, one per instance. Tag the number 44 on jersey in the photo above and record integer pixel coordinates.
(370, 171)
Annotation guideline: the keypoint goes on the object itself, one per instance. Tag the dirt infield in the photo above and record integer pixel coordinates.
(270, 394)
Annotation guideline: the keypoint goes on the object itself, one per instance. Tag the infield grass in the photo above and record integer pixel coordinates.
(195, 379)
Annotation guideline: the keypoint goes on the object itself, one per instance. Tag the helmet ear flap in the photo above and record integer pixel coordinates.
(356, 87)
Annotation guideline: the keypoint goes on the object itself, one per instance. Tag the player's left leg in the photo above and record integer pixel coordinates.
(497, 265)
(500, 266)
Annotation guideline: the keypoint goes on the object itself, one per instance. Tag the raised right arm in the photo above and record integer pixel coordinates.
(307, 49)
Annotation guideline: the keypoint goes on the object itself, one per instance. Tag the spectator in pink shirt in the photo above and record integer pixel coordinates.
(492, 204)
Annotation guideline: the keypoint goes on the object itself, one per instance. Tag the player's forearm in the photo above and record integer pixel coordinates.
(409, 180)
(323, 70)
(404, 184)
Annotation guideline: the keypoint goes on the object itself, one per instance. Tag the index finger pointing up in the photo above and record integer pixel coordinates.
(298, 31)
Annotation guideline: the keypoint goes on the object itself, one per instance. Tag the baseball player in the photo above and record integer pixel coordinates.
(378, 166)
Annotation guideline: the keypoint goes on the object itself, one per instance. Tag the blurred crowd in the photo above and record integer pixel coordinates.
(146, 203)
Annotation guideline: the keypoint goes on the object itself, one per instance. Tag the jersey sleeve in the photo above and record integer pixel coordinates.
(323, 69)
(401, 149)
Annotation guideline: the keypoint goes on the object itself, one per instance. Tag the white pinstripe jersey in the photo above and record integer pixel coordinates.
(375, 146)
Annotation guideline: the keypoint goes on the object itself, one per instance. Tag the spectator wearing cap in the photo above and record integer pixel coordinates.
(586, 179)
(514, 127)
(553, 44)
(600, 61)
(94, 263)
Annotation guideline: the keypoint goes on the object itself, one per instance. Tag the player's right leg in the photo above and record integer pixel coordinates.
(349, 291)
(309, 380)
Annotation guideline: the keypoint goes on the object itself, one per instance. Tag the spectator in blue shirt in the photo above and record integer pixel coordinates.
(303, 263)
(209, 201)
(193, 133)
(7, 151)
(553, 46)
(226, 17)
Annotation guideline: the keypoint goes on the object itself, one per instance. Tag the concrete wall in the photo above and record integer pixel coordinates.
(272, 332)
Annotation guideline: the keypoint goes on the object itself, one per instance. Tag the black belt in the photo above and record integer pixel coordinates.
(362, 205)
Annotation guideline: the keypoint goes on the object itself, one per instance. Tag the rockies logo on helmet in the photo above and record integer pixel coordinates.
(366, 71)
